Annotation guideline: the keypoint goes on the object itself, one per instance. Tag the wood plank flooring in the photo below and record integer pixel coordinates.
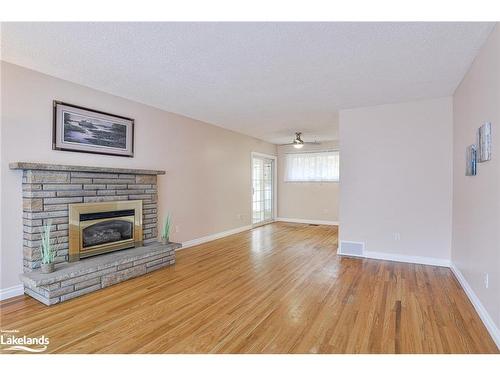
(279, 288)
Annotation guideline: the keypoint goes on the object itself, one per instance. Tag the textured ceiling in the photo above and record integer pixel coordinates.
(267, 80)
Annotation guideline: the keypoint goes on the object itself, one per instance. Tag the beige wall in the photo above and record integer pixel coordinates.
(307, 200)
(208, 178)
(397, 178)
(476, 200)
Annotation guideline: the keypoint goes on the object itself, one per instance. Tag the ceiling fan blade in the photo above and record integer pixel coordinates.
(305, 143)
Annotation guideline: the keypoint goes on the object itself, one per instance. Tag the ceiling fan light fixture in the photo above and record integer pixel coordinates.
(298, 142)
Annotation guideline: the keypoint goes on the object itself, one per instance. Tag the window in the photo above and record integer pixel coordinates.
(312, 166)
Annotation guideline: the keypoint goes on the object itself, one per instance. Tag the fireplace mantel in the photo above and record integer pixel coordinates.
(80, 168)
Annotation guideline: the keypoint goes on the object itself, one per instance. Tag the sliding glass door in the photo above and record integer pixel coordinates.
(263, 189)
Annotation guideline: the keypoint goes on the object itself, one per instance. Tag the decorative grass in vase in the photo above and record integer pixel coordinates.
(165, 233)
(47, 250)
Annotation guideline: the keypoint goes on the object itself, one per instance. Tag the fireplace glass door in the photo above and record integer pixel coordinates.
(105, 231)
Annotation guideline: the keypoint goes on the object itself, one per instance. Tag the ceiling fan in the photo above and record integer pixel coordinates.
(299, 143)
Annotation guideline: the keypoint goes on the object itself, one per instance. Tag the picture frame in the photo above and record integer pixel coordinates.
(81, 129)
(471, 160)
(484, 143)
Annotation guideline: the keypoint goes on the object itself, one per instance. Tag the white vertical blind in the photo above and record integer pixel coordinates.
(312, 166)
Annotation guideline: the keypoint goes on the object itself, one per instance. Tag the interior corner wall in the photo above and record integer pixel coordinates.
(396, 173)
(308, 201)
(207, 187)
(476, 199)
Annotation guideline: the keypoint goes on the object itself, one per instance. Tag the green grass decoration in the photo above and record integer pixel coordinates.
(167, 222)
(47, 250)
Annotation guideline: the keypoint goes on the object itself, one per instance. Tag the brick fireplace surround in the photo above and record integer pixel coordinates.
(48, 190)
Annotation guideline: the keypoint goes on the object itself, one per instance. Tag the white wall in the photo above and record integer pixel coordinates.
(208, 176)
(396, 177)
(315, 201)
(476, 200)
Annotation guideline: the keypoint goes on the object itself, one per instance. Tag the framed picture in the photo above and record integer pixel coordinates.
(484, 143)
(86, 130)
(470, 166)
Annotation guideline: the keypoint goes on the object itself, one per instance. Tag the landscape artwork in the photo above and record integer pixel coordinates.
(85, 130)
(93, 131)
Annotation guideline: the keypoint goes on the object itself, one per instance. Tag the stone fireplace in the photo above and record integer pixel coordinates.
(49, 190)
(94, 212)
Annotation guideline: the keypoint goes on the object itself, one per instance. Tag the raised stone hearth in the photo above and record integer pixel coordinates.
(72, 280)
(48, 190)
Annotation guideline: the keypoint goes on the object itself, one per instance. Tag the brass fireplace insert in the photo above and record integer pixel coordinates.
(97, 228)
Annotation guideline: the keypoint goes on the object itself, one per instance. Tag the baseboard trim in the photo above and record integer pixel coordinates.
(399, 258)
(213, 237)
(408, 259)
(307, 221)
(13, 291)
(488, 322)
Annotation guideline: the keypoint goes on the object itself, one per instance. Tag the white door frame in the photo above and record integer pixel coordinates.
(275, 186)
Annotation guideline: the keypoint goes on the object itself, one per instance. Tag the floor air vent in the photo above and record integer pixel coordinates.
(352, 248)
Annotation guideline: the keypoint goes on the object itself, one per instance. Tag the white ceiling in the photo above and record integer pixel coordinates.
(266, 80)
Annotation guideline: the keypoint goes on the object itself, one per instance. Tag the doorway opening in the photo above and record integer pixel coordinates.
(263, 189)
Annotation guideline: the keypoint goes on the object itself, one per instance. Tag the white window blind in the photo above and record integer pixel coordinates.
(312, 166)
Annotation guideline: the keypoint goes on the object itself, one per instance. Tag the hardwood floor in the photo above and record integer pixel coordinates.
(279, 288)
